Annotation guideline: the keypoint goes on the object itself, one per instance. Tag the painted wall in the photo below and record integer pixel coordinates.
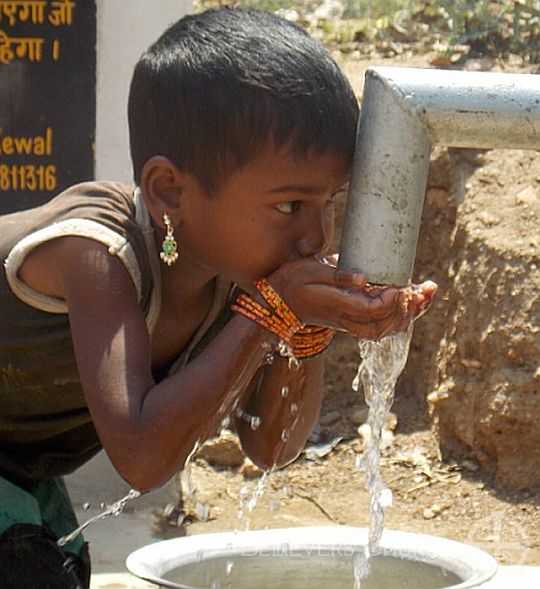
(125, 28)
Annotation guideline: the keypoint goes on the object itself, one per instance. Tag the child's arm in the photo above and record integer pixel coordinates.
(149, 429)
(287, 401)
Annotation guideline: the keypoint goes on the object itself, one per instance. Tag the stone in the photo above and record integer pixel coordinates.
(485, 401)
(249, 470)
(222, 451)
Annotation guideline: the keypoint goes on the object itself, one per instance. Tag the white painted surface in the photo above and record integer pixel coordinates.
(515, 577)
(125, 28)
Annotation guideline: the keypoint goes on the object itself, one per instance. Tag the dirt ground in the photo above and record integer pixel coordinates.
(457, 499)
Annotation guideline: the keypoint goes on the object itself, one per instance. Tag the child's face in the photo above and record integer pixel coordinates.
(276, 209)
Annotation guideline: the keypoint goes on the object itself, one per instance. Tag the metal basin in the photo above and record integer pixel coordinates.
(310, 558)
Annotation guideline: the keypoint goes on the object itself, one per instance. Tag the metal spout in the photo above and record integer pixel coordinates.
(405, 111)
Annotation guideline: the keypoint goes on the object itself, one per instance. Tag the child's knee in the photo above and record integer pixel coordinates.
(31, 559)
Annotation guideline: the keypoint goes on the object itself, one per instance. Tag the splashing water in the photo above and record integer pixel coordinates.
(248, 503)
(117, 507)
(382, 363)
(113, 510)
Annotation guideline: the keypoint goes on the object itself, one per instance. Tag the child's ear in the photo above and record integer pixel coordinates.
(162, 184)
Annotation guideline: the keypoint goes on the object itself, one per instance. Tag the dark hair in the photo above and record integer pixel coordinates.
(216, 86)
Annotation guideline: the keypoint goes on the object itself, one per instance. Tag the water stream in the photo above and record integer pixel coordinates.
(381, 364)
(113, 510)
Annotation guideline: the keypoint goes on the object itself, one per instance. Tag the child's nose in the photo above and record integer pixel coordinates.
(317, 237)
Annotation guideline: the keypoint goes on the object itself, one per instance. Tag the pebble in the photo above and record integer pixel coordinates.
(250, 471)
(433, 511)
(224, 450)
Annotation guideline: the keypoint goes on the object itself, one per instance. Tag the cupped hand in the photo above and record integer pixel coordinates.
(406, 303)
(322, 294)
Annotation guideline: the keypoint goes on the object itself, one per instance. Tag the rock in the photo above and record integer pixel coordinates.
(224, 450)
(250, 470)
(491, 405)
(486, 399)
(317, 451)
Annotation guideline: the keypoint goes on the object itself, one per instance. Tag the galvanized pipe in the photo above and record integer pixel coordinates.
(405, 111)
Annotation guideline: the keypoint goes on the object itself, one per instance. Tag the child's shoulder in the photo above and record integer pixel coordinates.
(105, 212)
(88, 209)
(95, 194)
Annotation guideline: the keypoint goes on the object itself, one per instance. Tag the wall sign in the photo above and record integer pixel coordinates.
(47, 98)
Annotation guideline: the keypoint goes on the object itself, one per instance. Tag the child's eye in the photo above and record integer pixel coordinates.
(289, 207)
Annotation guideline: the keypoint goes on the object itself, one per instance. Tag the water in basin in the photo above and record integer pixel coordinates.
(305, 570)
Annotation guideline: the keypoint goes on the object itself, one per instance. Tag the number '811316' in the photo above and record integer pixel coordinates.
(27, 177)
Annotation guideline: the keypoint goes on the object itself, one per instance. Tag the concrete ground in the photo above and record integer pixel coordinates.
(114, 538)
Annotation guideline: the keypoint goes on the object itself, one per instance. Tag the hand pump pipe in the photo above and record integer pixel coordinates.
(405, 111)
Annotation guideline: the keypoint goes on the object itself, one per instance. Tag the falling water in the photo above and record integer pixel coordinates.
(382, 363)
(248, 500)
(113, 510)
(117, 507)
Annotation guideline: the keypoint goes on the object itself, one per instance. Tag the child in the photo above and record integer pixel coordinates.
(116, 328)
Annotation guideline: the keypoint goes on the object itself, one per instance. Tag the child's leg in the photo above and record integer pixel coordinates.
(30, 524)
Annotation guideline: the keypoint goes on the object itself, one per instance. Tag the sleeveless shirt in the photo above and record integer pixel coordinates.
(45, 426)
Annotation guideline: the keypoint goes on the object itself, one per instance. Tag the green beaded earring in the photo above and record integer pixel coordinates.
(168, 254)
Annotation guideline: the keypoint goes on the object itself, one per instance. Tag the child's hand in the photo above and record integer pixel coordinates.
(322, 294)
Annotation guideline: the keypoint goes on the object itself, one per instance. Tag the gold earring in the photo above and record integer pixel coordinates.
(168, 254)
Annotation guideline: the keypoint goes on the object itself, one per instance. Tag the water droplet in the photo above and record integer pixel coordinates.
(113, 510)
(229, 567)
(293, 408)
(254, 422)
(274, 506)
(385, 498)
(202, 510)
(168, 509)
(284, 391)
(285, 435)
